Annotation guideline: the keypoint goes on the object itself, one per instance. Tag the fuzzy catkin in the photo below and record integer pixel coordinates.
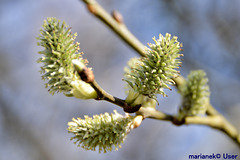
(59, 51)
(103, 131)
(150, 75)
(195, 94)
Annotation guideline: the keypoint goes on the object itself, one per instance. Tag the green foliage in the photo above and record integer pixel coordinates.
(151, 74)
(59, 51)
(195, 93)
(103, 131)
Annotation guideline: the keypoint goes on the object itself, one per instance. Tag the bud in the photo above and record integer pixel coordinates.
(117, 16)
(137, 121)
(78, 65)
(83, 90)
(131, 97)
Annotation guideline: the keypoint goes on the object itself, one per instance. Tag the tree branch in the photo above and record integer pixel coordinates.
(213, 118)
(103, 95)
(118, 27)
(87, 76)
(215, 121)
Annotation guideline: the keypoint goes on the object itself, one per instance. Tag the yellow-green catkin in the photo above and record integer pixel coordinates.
(195, 94)
(103, 131)
(150, 75)
(59, 51)
(60, 58)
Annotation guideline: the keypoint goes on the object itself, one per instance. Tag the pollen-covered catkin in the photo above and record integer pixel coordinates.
(61, 59)
(152, 74)
(195, 94)
(103, 131)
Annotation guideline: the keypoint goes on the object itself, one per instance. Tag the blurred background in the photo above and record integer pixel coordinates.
(33, 123)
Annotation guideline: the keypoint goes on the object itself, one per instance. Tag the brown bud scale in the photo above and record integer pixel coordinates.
(86, 75)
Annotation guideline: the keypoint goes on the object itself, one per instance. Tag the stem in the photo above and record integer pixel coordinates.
(217, 122)
(119, 28)
(213, 119)
(103, 95)
(148, 112)
(87, 76)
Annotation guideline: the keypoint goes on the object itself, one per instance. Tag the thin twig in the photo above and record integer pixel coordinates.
(213, 118)
(103, 95)
(119, 28)
(86, 75)
(154, 114)
(214, 121)
(217, 122)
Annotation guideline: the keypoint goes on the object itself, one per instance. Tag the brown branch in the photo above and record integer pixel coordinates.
(213, 118)
(103, 95)
(87, 76)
